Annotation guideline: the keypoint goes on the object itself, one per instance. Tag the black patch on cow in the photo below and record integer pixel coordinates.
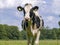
(35, 8)
(26, 4)
(42, 23)
(32, 14)
(24, 24)
(35, 19)
(24, 12)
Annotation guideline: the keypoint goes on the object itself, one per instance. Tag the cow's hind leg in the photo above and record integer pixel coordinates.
(33, 39)
(37, 38)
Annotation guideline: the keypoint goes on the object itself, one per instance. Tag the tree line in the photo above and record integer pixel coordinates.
(45, 34)
(12, 33)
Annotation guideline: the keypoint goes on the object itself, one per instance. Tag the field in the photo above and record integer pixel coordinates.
(23, 42)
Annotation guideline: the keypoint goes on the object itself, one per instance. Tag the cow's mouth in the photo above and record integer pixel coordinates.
(27, 19)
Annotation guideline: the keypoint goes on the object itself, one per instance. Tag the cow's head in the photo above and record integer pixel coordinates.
(28, 10)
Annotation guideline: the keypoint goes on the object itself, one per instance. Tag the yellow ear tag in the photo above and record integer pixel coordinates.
(20, 9)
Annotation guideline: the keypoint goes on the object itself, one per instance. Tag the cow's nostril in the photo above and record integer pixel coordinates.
(27, 19)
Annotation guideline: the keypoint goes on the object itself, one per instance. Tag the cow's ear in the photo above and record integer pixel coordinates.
(35, 8)
(19, 8)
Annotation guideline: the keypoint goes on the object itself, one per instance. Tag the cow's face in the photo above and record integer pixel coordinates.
(28, 11)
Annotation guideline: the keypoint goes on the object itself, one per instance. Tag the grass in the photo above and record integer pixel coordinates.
(23, 42)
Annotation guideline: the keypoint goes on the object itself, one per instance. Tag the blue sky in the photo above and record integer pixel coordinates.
(48, 9)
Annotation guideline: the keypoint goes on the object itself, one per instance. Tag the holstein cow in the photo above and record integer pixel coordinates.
(32, 23)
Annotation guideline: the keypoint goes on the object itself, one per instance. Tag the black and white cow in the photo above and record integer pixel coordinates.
(32, 23)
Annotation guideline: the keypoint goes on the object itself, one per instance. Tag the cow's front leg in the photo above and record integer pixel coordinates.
(28, 43)
(37, 38)
(28, 39)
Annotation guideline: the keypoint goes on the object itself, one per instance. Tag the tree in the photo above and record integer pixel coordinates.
(9, 32)
(3, 34)
(23, 35)
(59, 23)
(13, 32)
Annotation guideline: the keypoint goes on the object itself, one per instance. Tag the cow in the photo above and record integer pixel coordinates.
(32, 23)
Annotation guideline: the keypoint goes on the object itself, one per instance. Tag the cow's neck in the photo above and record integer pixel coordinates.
(28, 29)
(29, 25)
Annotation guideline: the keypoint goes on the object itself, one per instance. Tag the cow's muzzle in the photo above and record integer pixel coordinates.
(27, 19)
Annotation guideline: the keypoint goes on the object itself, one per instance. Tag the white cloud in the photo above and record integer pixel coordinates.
(33, 2)
(1, 4)
(14, 3)
(56, 7)
(8, 3)
(50, 18)
(29, 1)
(17, 14)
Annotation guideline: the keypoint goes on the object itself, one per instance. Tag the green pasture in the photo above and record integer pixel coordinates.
(24, 42)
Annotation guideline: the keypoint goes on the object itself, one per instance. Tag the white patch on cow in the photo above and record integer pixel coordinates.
(36, 12)
(27, 10)
(29, 44)
(41, 22)
(37, 38)
(34, 31)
